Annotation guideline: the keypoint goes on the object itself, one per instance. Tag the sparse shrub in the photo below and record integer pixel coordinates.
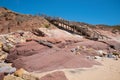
(22, 18)
(47, 25)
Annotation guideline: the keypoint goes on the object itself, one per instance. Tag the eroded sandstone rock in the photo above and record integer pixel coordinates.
(12, 77)
(20, 72)
(25, 75)
(58, 75)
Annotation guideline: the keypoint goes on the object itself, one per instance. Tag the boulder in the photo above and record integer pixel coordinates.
(12, 77)
(6, 68)
(38, 32)
(7, 46)
(97, 57)
(45, 43)
(25, 75)
(20, 72)
(58, 75)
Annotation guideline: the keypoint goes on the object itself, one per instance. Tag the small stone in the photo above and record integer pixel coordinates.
(116, 58)
(97, 57)
(115, 53)
(109, 55)
(77, 53)
(101, 53)
(89, 57)
(3, 57)
(22, 40)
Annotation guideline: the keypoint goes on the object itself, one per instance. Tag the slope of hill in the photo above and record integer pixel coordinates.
(12, 21)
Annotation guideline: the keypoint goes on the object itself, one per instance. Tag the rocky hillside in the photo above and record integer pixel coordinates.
(11, 21)
(35, 45)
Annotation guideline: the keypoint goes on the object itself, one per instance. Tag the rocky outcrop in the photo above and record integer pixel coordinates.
(58, 75)
(21, 74)
(23, 50)
(113, 44)
(8, 41)
(47, 59)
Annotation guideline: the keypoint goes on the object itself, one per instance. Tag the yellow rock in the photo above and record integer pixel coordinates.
(25, 75)
(3, 56)
(20, 72)
(1, 44)
(77, 53)
(90, 49)
(12, 77)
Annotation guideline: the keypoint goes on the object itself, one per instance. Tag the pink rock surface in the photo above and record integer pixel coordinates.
(25, 49)
(1, 76)
(48, 59)
(58, 75)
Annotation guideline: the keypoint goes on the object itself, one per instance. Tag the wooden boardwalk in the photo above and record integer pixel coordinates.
(80, 30)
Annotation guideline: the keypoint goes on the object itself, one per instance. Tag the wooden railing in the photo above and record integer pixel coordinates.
(81, 30)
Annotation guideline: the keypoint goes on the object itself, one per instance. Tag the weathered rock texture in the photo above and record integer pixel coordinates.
(43, 58)
(58, 75)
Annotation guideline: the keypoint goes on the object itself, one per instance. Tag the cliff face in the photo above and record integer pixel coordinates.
(11, 21)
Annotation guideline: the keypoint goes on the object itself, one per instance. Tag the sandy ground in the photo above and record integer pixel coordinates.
(110, 70)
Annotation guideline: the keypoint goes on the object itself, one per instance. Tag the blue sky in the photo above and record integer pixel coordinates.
(89, 11)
